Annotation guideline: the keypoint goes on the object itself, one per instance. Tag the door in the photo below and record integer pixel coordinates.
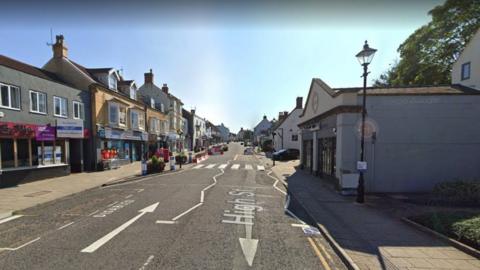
(76, 155)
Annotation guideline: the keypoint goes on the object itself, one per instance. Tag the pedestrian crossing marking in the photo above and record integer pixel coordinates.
(260, 168)
(223, 166)
(210, 166)
(235, 166)
(198, 166)
(248, 167)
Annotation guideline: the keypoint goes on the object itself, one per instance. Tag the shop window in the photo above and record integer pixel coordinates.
(6, 149)
(23, 155)
(9, 96)
(35, 152)
(78, 110)
(38, 102)
(60, 107)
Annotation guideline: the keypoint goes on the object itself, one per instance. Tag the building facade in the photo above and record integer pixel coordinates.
(118, 128)
(224, 132)
(415, 137)
(262, 130)
(466, 70)
(287, 130)
(43, 124)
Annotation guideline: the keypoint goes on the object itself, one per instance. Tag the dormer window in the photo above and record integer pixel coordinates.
(133, 93)
(112, 82)
(152, 103)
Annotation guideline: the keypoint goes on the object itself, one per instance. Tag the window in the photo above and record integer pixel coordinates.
(137, 120)
(38, 102)
(78, 110)
(60, 107)
(112, 82)
(133, 93)
(117, 114)
(113, 114)
(152, 103)
(294, 138)
(6, 149)
(466, 71)
(9, 96)
(162, 107)
(154, 125)
(122, 116)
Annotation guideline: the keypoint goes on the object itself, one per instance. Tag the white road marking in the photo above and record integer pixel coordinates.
(19, 247)
(235, 166)
(10, 218)
(300, 225)
(113, 203)
(198, 166)
(260, 168)
(236, 156)
(94, 212)
(248, 167)
(128, 196)
(223, 166)
(186, 212)
(165, 222)
(275, 184)
(66, 225)
(210, 166)
(100, 242)
(149, 260)
(140, 190)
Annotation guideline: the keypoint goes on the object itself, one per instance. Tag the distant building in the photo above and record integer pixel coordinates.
(286, 129)
(262, 129)
(466, 70)
(224, 132)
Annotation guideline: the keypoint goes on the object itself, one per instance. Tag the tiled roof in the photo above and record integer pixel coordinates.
(26, 68)
(99, 70)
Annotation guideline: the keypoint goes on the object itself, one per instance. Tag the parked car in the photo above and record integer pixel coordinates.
(248, 151)
(286, 154)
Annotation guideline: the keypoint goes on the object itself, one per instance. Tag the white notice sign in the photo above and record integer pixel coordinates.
(361, 165)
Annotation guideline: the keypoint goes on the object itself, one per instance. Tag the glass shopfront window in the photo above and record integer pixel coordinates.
(118, 149)
(23, 154)
(6, 148)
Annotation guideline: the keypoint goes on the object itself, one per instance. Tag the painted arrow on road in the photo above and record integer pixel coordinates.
(100, 242)
(249, 245)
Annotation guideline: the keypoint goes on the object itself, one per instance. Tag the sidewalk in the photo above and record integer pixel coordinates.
(30, 194)
(372, 239)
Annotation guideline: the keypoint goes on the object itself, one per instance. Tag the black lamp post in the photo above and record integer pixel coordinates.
(365, 58)
(273, 139)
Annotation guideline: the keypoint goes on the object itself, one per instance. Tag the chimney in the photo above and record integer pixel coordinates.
(280, 116)
(165, 88)
(59, 48)
(264, 117)
(149, 77)
(299, 103)
(193, 111)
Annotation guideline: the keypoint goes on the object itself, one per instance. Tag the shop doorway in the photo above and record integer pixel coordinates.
(308, 154)
(76, 155)
(327, 148)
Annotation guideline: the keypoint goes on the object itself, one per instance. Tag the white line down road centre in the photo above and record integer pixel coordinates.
(100, 242)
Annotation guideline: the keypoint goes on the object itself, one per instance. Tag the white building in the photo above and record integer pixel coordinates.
(466, 70)
(287, 130)
(262, 129)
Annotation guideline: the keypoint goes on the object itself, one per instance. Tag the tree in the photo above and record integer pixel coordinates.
(427, 55)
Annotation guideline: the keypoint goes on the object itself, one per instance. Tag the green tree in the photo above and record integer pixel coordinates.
(427, 56)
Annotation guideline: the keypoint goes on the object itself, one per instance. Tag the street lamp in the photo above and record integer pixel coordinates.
(365, 58)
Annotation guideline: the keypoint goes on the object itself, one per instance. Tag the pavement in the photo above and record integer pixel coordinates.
(371, 238)
(226, 214)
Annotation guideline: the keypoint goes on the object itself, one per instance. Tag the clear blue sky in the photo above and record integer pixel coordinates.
(234, 63)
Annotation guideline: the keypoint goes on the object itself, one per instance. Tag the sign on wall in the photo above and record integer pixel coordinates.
(69, 128)
(45, 133)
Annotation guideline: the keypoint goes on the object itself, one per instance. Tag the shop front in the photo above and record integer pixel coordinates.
(119, 147)
(31, 152)
(74, 131)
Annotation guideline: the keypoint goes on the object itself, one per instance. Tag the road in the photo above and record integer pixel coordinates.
(225, 213)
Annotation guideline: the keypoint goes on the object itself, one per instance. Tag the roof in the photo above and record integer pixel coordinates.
(99, 70)
(125, 82)
(454, 89)
(29, 69)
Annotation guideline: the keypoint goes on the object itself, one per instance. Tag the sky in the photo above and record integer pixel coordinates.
(232, 62)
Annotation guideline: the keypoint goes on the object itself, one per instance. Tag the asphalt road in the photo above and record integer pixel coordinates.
(208, 216)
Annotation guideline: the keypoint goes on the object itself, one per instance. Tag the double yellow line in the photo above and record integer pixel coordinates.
(317, 246)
